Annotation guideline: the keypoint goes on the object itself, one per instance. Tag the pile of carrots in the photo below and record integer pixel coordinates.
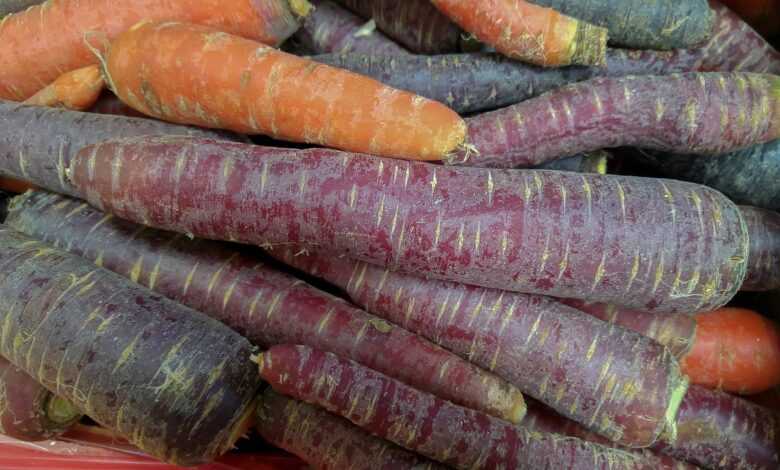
(470, 234)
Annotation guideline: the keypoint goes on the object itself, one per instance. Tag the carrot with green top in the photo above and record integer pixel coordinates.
(528, 32)
(47, 40)
(196, 75)
(77, 90)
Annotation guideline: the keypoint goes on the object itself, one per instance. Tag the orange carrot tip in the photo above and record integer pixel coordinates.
(77, 90)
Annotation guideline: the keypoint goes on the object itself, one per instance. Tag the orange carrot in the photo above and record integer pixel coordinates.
(736, 350)
(77, 90)
(529, 32)
(45, 41)
(192, 74)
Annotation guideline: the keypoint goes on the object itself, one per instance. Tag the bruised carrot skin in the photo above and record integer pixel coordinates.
(312, 434)
(736, 350)
(707, 113)
(123, 354)
(763, 272)
(528, 32)
(47, 40)
(76, 90)
(266, 306)
(331, 28)
(263, 90)
(580, 366)
(28, 411)
(40, 142)
(513, 230)
(415, 24)
(677, 332)
(461, 438)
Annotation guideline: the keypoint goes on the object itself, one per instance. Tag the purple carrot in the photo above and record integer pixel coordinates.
(616, 382)
(707, 113)
(763, 272)
(653, 244)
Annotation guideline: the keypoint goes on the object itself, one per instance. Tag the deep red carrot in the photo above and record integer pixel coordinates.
(677, 332)
(617, 383)
(652, 244)
(266, 306)
(28, 411)
(331, 28)
(77, 90)
(763, 271)
(196, 75)
(177, 384)
(736, 350)
(707, 113)
(327, 441)
(420, 422)
(47, 40)
(528, 32)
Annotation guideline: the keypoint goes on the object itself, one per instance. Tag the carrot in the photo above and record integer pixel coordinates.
(327, 441)
(708, 113)
(439, 430)
(176, 383)
(764, 15)
(152, 68)
(676, 332)
(39, 142)
(415, 24)
(77, 90)
(603, 237)
(331, 28)
(266, 306)
(528, 32)
(28, 411)
(736, 350)
(47, 40)
(465, 82)
(580, 366)
(763, 271)
(665, 24)
(13, 6)
(108, 103)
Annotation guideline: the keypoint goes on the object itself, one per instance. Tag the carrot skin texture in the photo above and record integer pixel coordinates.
(720, 431)
(420, 422)
(266, 91)
(331, 28)
(483, 236)
(736, 350)
(24, 404)
(312, 434)
(77, 90)
(415, 24)
(135, 354)
(664, 24)
(42, 142)
(528, 32)
(676, 332)
(707, 113)
(54, 42)
(550, 351)
(465, 82)
(763, 272)
(264, 305)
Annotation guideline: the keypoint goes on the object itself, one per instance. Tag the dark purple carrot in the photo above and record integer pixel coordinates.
(763, 271)
(616, 382)
(677, 332)
(327, 441)
(40, 141)
(175, 383)
(266, 306)
(331, 28)
(658, 245)
(437, 429)
(28, 411)
(705, 113)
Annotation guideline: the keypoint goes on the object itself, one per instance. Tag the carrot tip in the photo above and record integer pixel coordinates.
(590, 45)
(301, 8)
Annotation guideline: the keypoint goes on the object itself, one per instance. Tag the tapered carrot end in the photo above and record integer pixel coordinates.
(590, 45)
(301, 8)
(454, 140)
